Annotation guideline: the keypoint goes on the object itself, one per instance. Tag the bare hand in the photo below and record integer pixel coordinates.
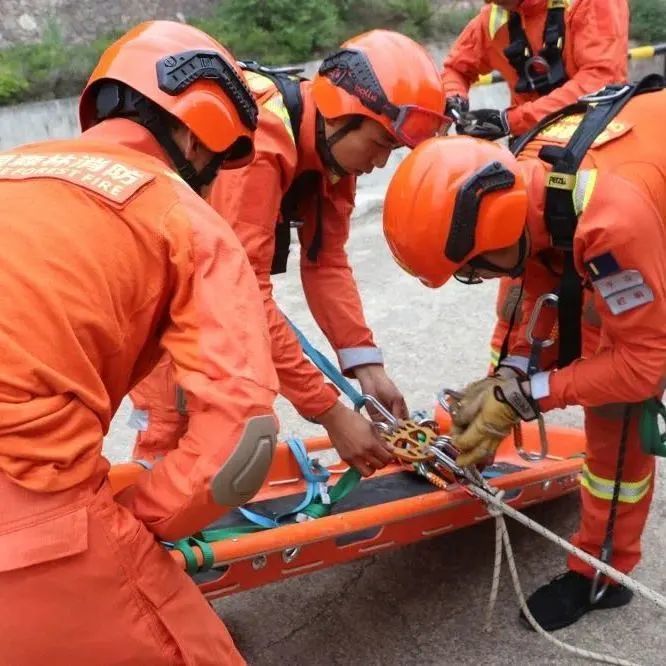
(375, 382)
(355, 439)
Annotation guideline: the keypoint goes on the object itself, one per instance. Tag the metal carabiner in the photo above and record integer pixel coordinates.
(544, 343)
(596, 97)
(446, 454)
(449, 405)
(597, 590)
(536, 345)
(536, 70)
(390, 423)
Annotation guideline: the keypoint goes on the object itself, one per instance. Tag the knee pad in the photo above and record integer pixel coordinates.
(242, 474)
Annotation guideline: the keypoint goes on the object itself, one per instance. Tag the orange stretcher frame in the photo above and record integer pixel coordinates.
(252, 560)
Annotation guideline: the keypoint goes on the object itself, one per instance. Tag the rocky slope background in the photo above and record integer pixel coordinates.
(49, 47)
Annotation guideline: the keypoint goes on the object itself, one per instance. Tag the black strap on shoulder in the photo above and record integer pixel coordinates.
(288, 82)
(305, 186)
(560, 213)
(545, 71)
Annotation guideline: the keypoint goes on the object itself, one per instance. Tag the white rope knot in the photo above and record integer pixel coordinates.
(493, 510)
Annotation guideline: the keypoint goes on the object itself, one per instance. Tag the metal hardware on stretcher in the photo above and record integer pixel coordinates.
(290, 554)
(411, 441)
(536, 345)
(390, 422)
(447, 399)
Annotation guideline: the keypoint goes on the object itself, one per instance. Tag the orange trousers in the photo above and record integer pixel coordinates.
(603, 432)
(603, 427)
(83, 582)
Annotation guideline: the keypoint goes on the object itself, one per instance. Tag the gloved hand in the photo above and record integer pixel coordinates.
(456, 105)
(502, 405)
(473, 395)
(488, 124)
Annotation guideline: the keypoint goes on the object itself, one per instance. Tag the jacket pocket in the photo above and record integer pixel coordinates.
(45, 539)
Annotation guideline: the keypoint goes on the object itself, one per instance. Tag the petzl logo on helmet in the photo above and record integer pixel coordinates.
(365, 93)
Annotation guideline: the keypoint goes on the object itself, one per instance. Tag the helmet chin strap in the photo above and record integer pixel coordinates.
(516, 271)
(324, 143)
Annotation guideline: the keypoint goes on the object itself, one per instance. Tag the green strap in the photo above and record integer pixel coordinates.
(185, 546)
(346, 483)
(653, 441)
(316, 509)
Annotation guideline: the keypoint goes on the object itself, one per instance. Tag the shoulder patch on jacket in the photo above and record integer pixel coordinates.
(562, 130)
(629, 299)
(107, 177)
(602, 266)
(622, 289)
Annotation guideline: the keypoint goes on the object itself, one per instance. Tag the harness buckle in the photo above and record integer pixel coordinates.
(606, 94)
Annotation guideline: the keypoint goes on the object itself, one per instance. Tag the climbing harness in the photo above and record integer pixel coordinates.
(560, 211)
(544, 71)
(307, 184)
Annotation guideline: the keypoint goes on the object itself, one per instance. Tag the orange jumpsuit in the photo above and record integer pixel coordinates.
(250, 199)
(620, 248)
(595, 54)
(108, 257)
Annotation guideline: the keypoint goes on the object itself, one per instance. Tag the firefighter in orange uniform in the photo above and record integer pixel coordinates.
(109, 256)
(592, 231)
(550, 52)
(380, 91)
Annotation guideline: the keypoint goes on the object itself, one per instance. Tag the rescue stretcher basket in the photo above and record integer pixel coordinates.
(394, 507)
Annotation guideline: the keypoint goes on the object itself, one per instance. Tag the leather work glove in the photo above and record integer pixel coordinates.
(473, 396)
(488, 124)
(502, 405)
(456, 105)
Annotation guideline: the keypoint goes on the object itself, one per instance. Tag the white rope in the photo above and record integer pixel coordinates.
(497, 570)
(572, 649)
(503, 543)
(595, 563)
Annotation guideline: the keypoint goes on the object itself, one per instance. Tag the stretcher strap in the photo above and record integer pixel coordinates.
(328, 368)
(316, 508)
(314, 474)
(185, 546)
(319, 508)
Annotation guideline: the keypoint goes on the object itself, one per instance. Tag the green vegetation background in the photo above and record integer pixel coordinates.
(271, 31)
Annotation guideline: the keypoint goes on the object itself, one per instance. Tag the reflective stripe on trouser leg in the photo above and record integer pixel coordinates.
(603, 436)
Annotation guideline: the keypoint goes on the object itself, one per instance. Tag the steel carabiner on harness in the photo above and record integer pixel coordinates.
(537, 344)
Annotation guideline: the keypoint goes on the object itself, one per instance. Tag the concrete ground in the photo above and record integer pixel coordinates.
(424, 604)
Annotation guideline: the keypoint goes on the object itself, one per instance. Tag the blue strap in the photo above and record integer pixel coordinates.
(328, 368)
(313, 473)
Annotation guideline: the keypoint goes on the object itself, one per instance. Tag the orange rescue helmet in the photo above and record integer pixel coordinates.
(183, 71)
(385, 76)
(451, 200)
